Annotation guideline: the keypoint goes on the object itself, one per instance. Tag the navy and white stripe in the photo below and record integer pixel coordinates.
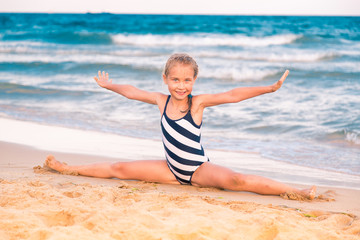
(183, 150)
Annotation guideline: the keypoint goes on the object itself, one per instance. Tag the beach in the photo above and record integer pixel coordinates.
(48, 61)
(38, 203)
(305, 134)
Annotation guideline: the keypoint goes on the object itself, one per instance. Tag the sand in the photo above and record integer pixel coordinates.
(36, 203)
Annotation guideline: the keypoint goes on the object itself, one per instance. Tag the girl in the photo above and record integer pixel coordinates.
(181, 119)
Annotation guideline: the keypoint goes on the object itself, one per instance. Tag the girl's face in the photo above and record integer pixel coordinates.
(180, 81)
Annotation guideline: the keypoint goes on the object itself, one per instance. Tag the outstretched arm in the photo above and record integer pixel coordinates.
(127, 91)
(239, 94)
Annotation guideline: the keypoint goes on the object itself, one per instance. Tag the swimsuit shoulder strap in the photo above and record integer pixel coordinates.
(167, 101)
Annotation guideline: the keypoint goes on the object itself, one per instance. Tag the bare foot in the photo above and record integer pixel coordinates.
(300, 195)
(309, 193)
(52, 163)
(312, 192)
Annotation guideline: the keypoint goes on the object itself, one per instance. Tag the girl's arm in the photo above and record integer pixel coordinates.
(127, 91)
(239, 94)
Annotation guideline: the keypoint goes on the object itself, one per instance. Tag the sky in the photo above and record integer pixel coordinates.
(233, 7)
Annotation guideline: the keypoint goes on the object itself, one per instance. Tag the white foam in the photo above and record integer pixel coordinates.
(238, 74)
(139, 61)
(30, 53)
(203, 40)
(269, 55)
(352, 137)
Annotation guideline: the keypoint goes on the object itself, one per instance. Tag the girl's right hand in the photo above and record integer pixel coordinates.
(279, 83)
(103, 80)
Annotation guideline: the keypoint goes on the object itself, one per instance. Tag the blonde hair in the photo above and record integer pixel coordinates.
(181, 58)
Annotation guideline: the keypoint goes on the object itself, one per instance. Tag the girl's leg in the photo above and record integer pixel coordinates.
(211, 175)
(149, 170)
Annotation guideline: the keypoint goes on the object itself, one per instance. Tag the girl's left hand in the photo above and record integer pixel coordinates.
(278, 84)
(103, 80)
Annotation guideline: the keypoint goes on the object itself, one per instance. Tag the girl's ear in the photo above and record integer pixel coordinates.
(164, 78)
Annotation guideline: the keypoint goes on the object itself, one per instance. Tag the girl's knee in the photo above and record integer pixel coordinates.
(238, 180)
(117, 169)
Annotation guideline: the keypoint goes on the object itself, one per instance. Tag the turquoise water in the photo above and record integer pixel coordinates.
(47, 64)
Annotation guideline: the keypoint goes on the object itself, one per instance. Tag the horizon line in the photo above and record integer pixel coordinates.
(185, 14)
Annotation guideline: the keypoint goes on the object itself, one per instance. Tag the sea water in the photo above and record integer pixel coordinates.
(48, 61)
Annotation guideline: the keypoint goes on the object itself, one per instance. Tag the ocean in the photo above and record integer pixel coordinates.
(48, 61)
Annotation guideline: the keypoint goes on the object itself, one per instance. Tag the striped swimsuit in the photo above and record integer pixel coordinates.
(183, 150)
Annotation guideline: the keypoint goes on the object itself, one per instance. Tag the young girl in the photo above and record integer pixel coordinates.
(181, 120)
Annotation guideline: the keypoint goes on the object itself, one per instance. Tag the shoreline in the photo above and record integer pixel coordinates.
(106, 145)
